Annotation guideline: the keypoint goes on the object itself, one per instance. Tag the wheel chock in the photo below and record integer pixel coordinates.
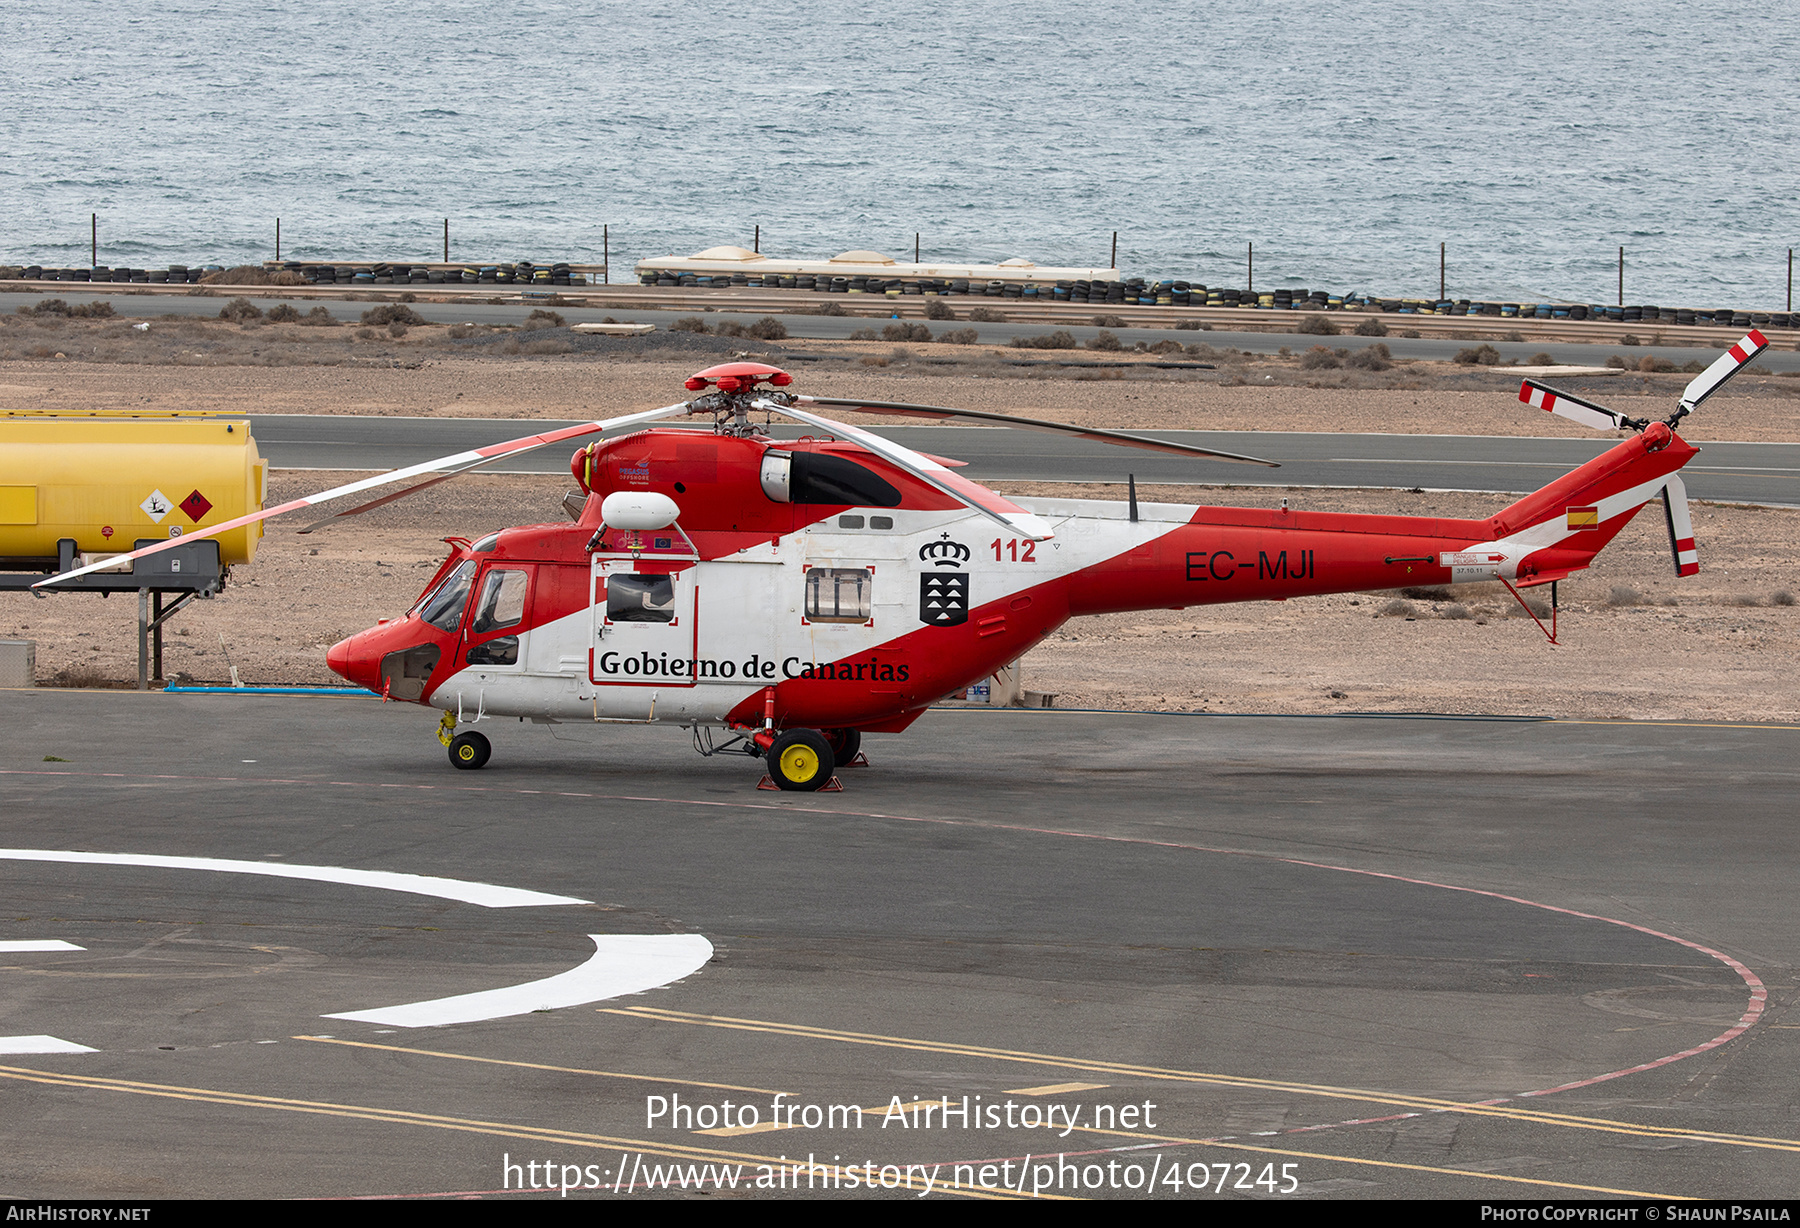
(834, 785)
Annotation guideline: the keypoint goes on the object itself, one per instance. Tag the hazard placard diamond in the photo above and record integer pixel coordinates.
(156, 506)
(196, 505)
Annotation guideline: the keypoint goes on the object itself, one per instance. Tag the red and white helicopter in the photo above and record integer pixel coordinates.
(791, 595)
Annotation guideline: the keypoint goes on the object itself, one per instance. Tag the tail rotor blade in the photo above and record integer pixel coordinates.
(1681, 527)
(1727, 365)
(1544, 397)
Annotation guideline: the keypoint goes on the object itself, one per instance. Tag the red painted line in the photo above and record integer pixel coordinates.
(1753, 1009)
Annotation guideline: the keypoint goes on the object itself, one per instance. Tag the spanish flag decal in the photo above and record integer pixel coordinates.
(1583, 518)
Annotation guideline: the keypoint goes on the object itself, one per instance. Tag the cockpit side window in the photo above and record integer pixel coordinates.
(502, 600)
(443, 608)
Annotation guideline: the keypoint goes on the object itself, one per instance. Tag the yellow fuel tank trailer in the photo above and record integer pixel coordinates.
(107, 482)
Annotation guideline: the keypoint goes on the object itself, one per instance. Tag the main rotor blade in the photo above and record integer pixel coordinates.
(460, 461)
(1002, 511)
(1574, 408)
(940, 413)
(1724, 367)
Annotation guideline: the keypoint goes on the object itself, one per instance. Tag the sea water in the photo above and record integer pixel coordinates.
(1346, 141)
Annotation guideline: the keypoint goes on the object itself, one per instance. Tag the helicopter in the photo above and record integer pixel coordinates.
(780, 598)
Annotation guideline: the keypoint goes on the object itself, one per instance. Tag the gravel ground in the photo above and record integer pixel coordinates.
(1636, 642)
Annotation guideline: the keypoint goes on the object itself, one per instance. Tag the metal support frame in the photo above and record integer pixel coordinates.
(190, 571)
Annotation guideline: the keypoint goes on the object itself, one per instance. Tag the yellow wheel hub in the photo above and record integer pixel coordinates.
(465, 752)
(799, 763)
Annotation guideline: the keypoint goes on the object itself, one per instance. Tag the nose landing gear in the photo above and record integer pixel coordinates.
(468, 751)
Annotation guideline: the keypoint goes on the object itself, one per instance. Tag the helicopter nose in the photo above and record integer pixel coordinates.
(358, 663)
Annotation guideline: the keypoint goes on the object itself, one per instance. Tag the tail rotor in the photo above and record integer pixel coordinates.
(1674, 491)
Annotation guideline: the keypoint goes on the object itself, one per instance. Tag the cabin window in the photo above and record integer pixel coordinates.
(839, 594)
(850, 522)
(502, 601)
(881, 522)
(501, 650)
(640, 599)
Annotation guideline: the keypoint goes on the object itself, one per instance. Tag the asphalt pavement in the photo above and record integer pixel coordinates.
(1453, 958)
(1764, 473)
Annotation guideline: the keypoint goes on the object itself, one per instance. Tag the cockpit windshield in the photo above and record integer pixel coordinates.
(443, 608)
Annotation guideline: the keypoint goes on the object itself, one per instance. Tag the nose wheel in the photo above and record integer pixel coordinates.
(469, 751)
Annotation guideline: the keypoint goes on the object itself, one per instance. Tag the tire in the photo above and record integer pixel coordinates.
(844, 744)
(469, 751)
(800, 761)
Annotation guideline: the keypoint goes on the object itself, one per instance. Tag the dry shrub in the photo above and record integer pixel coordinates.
(56, 307)
(240, 311)
(539, 318)
(1396, 608)
(1375, 357)
(959, 336)
(369, 334)
(874, 360)
(253, 275)
(396, 330)
(1651, 363)
(319, 317)
(392, 313)
(1743, 599)
(1104, 340)
(826, 309)
(1630, 339)
(987, 315)
(283, 313)
(1314, 324)
(458, 332)
(1540, 360)
(1058, 340)
(1192, 326)
(937, 309)
(1695, 366)
(1483, 355)
(864, 334)
(1319, 359)
(1456, 610)
(1109, 322)
(1371, 326)
(770, 329)
(1617, 362)
(689, 324)
(1781, 596)
(1624, 595)
(902, 330)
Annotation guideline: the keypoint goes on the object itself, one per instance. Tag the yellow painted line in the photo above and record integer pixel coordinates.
(1417, 1168)
(1321, 1090)
(765, 1127)
(495, 1061)
(405, 1117)
(1678, 724)
(1056, 1089)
